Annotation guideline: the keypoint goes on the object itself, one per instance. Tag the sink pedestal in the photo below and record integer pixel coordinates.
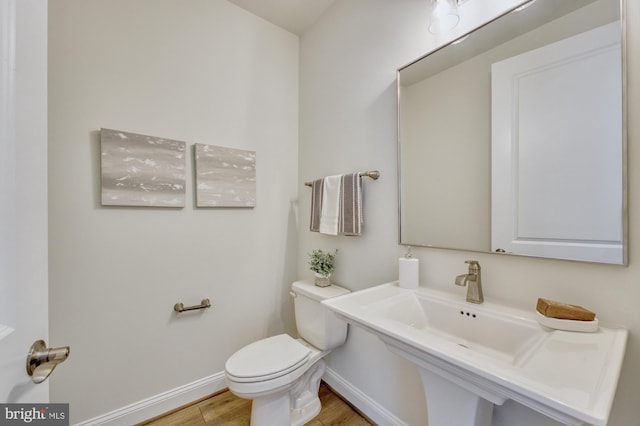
(450, 404)
(453, 398)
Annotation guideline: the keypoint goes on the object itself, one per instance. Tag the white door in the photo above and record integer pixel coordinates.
(23, 194)
(557, 149)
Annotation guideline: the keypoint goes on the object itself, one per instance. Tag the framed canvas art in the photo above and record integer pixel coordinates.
(140, 170)
(225, 177)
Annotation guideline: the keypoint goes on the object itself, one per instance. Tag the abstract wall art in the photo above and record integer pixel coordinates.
(225, 177)
(139, 170)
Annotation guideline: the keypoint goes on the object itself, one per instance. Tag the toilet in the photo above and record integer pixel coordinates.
(280, 374)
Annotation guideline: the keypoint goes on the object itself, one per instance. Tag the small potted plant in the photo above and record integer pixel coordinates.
(322, 264)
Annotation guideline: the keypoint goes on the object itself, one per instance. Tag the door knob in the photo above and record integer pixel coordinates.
(42, 360)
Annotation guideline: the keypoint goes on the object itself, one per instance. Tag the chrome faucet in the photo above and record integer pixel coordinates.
(473, 282)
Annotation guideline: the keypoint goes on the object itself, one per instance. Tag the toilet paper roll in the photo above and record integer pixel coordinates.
(408, 272)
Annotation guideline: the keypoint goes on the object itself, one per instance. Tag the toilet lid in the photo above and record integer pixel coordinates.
(268, 358)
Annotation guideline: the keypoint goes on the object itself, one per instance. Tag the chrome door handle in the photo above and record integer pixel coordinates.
(42, 360)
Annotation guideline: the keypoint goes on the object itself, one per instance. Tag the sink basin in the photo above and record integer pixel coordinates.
(482, 355)
(478, 328)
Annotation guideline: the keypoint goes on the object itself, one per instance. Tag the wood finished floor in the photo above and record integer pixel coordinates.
(226, 409)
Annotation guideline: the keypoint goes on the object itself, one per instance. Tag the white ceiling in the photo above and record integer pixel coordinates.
(292, 15)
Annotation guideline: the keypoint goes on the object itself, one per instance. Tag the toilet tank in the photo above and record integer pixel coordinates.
(316, 324)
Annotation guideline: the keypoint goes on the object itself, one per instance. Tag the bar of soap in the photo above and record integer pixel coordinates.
(553, 309)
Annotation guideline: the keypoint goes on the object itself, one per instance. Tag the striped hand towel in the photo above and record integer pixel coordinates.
(316, 205)
(350, 217)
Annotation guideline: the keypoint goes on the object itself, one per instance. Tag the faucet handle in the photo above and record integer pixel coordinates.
(474, 266)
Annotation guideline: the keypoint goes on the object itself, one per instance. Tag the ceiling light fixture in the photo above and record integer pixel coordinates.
(444, 16)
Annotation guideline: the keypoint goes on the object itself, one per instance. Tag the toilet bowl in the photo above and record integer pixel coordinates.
(280, 374)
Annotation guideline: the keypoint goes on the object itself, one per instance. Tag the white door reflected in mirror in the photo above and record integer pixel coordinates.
(546, 119)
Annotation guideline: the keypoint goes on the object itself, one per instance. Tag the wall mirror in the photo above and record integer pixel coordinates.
(512, 138)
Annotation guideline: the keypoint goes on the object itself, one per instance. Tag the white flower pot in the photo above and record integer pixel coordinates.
(322, 280)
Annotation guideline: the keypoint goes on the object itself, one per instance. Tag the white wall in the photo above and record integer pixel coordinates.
(199, 71)
(347, 123)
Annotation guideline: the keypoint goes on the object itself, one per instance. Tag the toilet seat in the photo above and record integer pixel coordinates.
(267, 359)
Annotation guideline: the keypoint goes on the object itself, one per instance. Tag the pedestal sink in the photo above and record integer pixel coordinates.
(472, 357)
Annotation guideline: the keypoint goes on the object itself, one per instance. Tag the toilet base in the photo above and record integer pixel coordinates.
(270, 410)
(303, 415)
(305, 402)
(294, 407)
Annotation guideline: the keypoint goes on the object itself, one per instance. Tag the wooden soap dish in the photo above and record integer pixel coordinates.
(563, 316)
(568, 325)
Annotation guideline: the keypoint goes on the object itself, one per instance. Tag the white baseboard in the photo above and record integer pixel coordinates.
(182, 395)
(161, 403)
(374, 411)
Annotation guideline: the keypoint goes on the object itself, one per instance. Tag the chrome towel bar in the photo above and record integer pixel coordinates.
(204, 304)
(373, 174)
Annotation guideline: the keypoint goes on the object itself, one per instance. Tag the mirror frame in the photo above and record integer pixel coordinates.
(624, 132)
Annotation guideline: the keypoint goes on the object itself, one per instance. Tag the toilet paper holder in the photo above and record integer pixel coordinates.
(204, 304)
